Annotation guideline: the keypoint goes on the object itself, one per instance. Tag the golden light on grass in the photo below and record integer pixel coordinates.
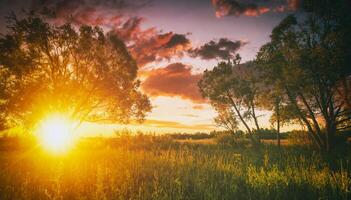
(56, 133)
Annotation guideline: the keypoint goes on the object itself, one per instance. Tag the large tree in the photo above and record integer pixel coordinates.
(85, 74)
(309, 59)
(233, 87)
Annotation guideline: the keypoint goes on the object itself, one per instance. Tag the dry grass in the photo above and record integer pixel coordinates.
(283, 142)
(198, 141)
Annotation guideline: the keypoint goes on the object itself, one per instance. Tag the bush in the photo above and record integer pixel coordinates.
(298, 137)
(227, 139)
(269, 134)
(187, 136)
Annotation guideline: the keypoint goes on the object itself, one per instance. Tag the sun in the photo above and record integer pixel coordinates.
(56, 133)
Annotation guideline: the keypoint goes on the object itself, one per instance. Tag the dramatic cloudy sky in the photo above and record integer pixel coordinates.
(173, 42)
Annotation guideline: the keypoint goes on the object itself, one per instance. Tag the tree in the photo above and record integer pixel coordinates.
(87, 75)
(232, 90)
(309, 61)
(226, 118)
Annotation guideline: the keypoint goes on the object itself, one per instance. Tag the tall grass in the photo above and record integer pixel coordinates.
(153, 167)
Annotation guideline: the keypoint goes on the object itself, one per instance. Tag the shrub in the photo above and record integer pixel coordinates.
(270, 134)
(227, 139)
(298, 137)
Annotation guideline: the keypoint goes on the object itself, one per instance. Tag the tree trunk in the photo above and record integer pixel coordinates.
(331, 127)
(278, 122)
(256, 121)
(312, 134)
(242, 119)
(346, 83)
(313, 118)
(239, 114)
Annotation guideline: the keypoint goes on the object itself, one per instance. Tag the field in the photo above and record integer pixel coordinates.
(157, 167)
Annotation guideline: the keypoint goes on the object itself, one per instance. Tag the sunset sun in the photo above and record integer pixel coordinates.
(55, 133)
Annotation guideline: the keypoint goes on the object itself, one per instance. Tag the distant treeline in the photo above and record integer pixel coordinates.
(263, 134)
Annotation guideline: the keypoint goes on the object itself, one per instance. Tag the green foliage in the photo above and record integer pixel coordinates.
(270, 134)
(232, 90)
(230, 140)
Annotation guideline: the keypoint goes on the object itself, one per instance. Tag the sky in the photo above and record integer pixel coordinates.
(173, 42)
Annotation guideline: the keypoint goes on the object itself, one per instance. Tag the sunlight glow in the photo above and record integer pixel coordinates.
(56, 134)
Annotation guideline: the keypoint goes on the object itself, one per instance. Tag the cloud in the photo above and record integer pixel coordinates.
(130, 29)
(150, 46)
(145, 45)
(294, 4)
(175, 79)
(171, 124)
(291, 5)
(280, 8)
(253, 7)
(116, 17)
(177, 39)
(237, 8)
(91, 16)
(71, 6)
(191, 115)
(224, 49)
(93, 12)
(198, 107)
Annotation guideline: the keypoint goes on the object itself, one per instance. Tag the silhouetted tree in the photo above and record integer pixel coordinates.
(232, 89)
(310, 61)
(85, 74)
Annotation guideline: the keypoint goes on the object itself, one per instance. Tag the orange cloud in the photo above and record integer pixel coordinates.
(294, 4)
(157, 47)
(150, 45)
(92, 12)
(291, 5)
(173, 80)
(198, 107)
(253, 7)
(171, 124)
(256, 11)
(237, 8)
(146, 46)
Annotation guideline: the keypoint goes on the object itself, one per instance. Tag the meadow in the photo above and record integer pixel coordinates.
(244, 70)
(159, 167)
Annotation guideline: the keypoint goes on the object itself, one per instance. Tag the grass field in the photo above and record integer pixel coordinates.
(156, 167)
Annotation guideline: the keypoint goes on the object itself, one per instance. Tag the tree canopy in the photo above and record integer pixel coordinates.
(232, 89)
(302, 75)
(79, 71)
(308, 60)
